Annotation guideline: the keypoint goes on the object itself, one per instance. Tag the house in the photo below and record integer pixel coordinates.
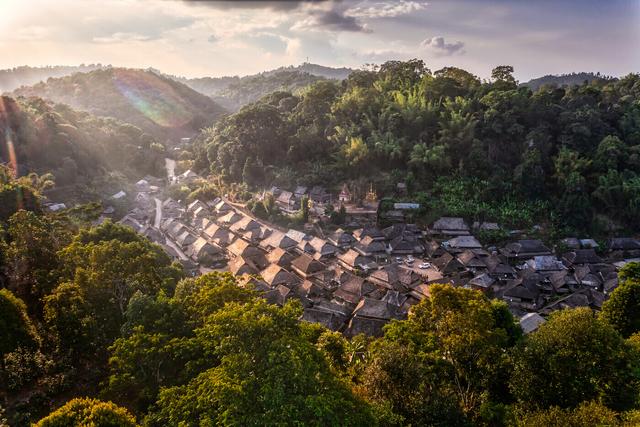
(197, 204)
(300, 191)
(204, 252)
(581, 256)
(218, 235)
(545, 263)
(369, 231)
(185, 239)
(525, 249)
(624, 245)
(396, 230)
(341, 239)
(331, 319)
(323, 248)
(240, 265)
(142, 185)
(171, 208)
(275, 275)
(354, 289)
(482, 282)
(530, 322)
(257, 235)
(448, 264)
(393, 276)
(242, 248)
(369, 317)
(229, 218)
(485, 226)
(152, 234)
(352, 260)
(319, 195)
(278, 239)
(394, 215)
(287, 202)
(405, 244)
(449, 226)
(462, 243)
(370, 247)
(498, 268)
(306, 266)
(223, 207)
(279, 295)
(471, 260)
(298, 236)
(280, 257)
(345, 195)
(434, 249)
(246, 223)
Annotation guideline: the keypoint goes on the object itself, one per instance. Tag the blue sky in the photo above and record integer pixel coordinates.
(198, 38)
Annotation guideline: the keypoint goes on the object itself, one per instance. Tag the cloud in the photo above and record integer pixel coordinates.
(387, 9)
(120, 37)
(255, 4)
(331, 16)
(439, 46)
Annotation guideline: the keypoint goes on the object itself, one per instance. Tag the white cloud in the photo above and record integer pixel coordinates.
(121, 37)
(387, 9)
(439, 46)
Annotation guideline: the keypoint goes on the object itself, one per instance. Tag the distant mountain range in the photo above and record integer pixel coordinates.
(565, 80)
(156, 104)
(234, 92)
(13, 78)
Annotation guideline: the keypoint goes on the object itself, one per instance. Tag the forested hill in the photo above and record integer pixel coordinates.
(13, 78)
(235, 92)
(571, 79)
(156, 104)
(77, 148)
(569, 157)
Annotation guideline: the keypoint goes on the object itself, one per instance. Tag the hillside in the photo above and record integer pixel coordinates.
(235, 92)
(156, 104)
(13, 78)
(78, 148)
(571, 79)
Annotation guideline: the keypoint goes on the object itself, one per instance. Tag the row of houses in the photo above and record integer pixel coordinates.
(355, 282)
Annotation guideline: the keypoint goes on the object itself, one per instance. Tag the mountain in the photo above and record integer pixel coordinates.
(235, 92)
(565, 80)
(156, 104)
(78, 148)
(13, 78)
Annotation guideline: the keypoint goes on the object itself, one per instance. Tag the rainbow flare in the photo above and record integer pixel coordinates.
(156, 99)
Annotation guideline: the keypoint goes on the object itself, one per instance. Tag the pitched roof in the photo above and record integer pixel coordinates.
(322, 246)
(230, 217)
(353, 258)
(243, 248)
(368, 307)
(306, 265)
(530, 322)
(280, 256)
(244, 224)
(275, 275)
(463, 242)
(545, 263)
(369, 231)
(582, 256)
(447, 223)
(394, 276)
(241, 265)
(278, 239)
(527, 247)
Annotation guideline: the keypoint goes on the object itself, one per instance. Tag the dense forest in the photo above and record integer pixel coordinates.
(158, 105)
(564, 157)
(81, 151)
(98, 327)
(571, 79)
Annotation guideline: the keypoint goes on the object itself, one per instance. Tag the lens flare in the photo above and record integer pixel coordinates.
(153, 97)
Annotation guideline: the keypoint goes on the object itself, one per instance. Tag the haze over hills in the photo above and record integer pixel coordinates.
(13, 78)
(154, 103)
(75, 146)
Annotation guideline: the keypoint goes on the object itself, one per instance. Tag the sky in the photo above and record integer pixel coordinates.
(215, 38)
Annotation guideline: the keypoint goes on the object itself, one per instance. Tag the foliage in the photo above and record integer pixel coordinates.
(622, 309)
(572, 358)
(88, 412)
(16, 328)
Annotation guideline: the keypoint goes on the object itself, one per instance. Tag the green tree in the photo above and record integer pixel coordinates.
(622, 309)
(269, 373)
(574, 358)
(16, 329)
(88, 412)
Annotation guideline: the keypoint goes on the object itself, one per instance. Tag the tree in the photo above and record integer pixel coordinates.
(16, 329)
(622, 309)
(269, 373)
(88, 412)
(69, 316)
(503, 76)
(586, 414)
(574, 358)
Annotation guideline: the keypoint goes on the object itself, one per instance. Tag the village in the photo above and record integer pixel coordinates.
(359, 277)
